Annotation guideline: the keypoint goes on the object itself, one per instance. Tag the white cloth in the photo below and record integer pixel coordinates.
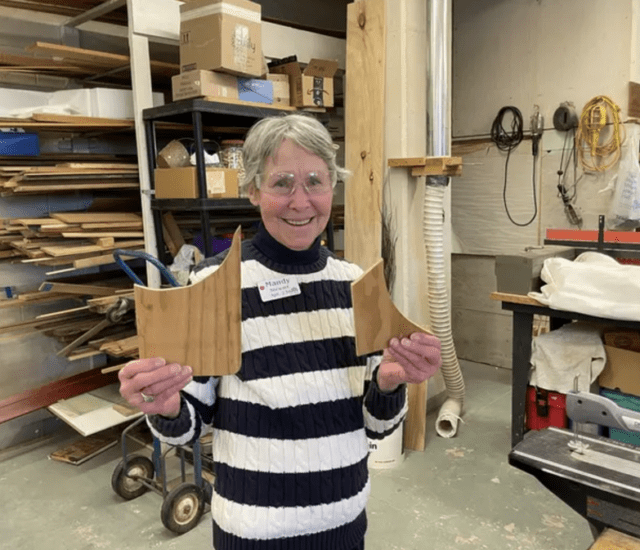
(592, 284)
(557, 357)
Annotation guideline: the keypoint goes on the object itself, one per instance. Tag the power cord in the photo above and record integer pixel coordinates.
(508, 141)
(569, 196)
(597, 152)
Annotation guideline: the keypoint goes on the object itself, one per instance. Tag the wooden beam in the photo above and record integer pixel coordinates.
(430, 166)
(514, 299)
(39, 398)
(364, 130)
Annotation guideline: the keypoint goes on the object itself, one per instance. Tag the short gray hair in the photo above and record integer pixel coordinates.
(265, 137)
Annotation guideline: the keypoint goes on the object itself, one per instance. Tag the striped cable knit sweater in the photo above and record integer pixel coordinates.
(290, 428)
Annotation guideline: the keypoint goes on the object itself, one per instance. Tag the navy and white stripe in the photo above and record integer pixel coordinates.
(290, 429)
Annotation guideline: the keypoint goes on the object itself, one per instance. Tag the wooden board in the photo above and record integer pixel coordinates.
(376, 317)
(71, 250)
(95, 217)
(364, 130)
(94, 411)
(430, 166)
(86, 448)
(415, 428)
(39, 398)
(614, 540)
(515, 299)
(197, 325)
(97, 234)
(98, 61)
(78, 289)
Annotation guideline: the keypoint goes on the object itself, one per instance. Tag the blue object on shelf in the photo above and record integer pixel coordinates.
(19, 144)
(255, 90)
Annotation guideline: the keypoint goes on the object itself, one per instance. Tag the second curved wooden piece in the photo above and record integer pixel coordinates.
(197, 325)
(376, 317)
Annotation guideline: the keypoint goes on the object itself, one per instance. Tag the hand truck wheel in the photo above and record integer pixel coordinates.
(123, 480)
(182, 508)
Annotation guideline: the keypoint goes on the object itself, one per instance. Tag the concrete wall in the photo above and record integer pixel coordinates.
(524, 54)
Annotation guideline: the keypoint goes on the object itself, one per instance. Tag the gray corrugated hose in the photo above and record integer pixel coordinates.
(440, 310)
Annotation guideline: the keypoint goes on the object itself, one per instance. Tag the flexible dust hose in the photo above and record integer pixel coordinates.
(439, 307)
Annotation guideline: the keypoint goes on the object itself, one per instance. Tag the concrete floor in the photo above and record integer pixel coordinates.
(459, 494)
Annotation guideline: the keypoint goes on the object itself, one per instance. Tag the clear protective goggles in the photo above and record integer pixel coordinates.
(284, 183)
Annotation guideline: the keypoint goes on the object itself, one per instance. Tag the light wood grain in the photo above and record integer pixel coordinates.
(196, 325)
(364, 130)
(78, 289)
(614, 540)
(376, 317)
(95, 217)
(97, 60)
(415, 427)
(515, 299)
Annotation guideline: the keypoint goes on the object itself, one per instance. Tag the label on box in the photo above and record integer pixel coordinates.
(215, 182)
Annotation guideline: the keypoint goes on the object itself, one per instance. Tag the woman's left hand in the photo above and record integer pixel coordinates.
(412, 360)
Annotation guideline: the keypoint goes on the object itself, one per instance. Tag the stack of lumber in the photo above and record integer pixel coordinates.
(51, 122)
(74, 8)
(98, 62)
(68, 61)
(68, 177)
(74, 239)
(69, 325)
(126, 343)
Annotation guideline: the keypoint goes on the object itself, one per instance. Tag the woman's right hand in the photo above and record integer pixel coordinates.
(153, 385)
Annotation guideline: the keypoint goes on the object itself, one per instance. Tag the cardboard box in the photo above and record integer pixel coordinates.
(520, 273)
(255, 90)
(204, 84)
(312, 87)
(621, 371)
(182, 183)
(621, 338)
(221, 35)
(281, 93)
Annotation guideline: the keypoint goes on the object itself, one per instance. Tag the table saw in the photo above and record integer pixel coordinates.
(604, 494)
(596, 476)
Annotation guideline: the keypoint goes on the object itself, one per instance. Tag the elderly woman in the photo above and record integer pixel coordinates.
(290, 428)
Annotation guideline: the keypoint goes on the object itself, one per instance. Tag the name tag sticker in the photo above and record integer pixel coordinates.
(278, 288)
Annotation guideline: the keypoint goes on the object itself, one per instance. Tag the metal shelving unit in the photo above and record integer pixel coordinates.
(201, 113)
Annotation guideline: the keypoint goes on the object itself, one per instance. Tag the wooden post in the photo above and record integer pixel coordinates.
(364, 130)
(385, 117)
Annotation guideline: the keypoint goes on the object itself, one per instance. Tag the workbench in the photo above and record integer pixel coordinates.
(605, 498)
(524, 309)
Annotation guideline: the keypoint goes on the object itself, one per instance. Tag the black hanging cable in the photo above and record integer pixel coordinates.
(508, 141)
(563, 191)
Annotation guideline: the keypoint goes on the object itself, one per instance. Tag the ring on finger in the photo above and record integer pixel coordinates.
(147, 398)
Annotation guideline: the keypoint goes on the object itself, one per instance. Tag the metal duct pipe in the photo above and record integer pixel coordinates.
(439, 145)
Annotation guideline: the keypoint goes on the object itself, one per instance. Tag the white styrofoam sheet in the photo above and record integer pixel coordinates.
(91, 102)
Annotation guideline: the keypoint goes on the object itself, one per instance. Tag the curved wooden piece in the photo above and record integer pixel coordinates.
(376, 317)
(196, 325)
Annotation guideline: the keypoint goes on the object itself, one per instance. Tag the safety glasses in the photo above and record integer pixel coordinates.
(284, 183)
